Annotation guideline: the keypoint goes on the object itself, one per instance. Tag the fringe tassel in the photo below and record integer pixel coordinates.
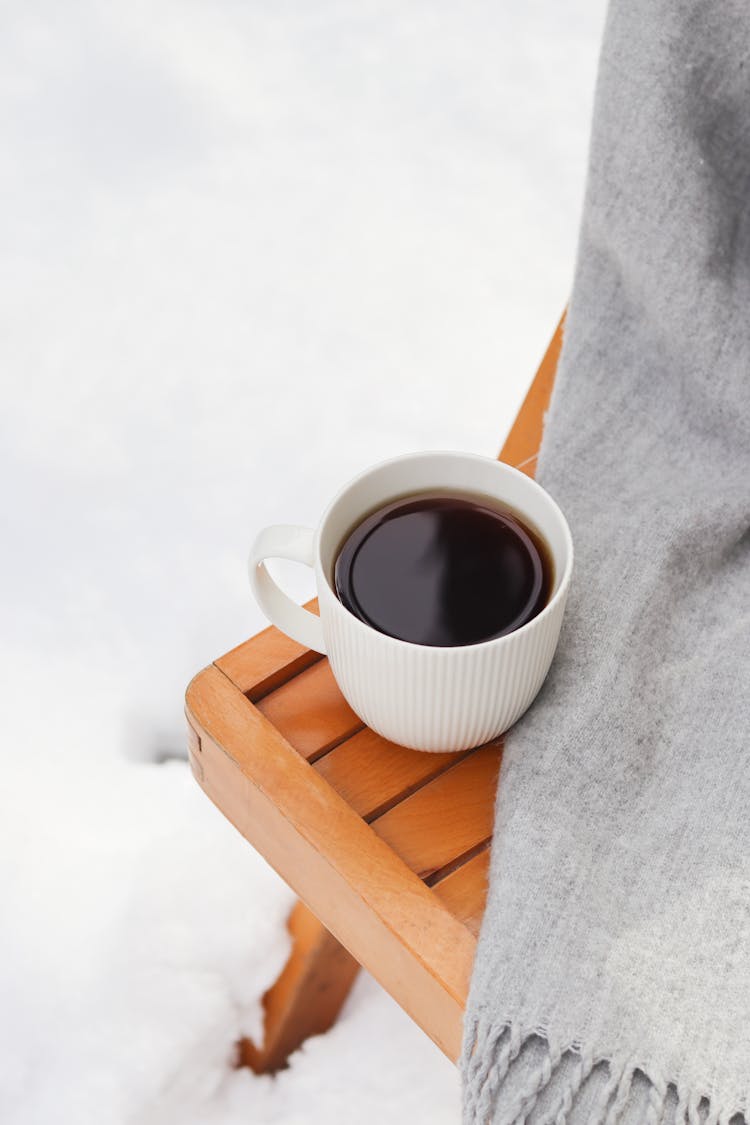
(559, 1114)
(599, 1112)
(538, 1082)
(682, 1105)
(497, 1071)
(482, 1058)
(494, 1062)
(694, 1117)
(657, 1102)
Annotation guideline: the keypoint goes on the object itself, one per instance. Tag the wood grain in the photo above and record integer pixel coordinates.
(464, 890)
(270, 658)
(310, 711)
(372, 774)
(446, 818)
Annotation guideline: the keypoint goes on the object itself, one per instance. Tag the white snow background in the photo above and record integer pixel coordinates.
(247, 250)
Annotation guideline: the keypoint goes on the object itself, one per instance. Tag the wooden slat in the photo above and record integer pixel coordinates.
(446, 818)
(371, 902)
(267, 660)
(310, 711)
(464, 890)
(372, 774)
(522, 444)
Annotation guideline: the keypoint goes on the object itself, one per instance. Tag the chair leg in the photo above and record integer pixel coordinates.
(306, 998)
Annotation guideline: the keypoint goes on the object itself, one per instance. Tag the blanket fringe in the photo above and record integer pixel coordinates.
(513, 1076)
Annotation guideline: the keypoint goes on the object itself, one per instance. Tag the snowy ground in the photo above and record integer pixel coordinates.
(247, 249)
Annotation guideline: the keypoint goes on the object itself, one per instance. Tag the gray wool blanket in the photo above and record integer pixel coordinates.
(612, 980)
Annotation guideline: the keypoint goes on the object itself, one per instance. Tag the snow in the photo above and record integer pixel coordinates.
(247, 250)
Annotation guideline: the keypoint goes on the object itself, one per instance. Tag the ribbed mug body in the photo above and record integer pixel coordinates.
(433, 698)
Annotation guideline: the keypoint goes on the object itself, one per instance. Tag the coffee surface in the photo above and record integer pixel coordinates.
(441, 569)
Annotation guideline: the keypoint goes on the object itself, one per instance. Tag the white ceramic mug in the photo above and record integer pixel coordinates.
(422, 696)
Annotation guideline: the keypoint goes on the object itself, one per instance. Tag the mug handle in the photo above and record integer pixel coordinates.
(285, 541)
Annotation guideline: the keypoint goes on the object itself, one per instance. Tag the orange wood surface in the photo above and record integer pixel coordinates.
(522, 444)
(373, 775)
(464, 890)
(448, 817)
(310, 711)
(268, 659)
(306, 998)
(387, 847)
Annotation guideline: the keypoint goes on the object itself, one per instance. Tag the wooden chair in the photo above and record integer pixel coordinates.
(387, 848)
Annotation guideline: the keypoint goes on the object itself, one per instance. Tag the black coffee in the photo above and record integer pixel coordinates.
(442, 569)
